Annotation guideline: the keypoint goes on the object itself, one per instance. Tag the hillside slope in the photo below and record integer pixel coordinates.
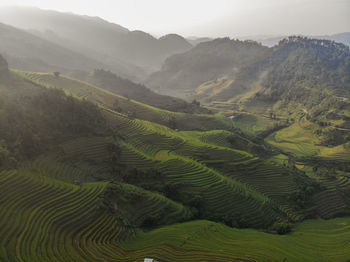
(95, 37)
(132, 108)
(109, 81)
(150, 143)
(343, 38)
(86, 183)
(299, 77)
(27, 51)
(182, 73)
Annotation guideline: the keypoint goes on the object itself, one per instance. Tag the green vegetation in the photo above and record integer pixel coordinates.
(301, 140)
(202, 240)
(57, 219)
(109, 81)
(126, 106)
(89, 175)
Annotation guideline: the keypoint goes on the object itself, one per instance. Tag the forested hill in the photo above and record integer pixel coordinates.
(302, 62)
(182, 73)
(249, 67)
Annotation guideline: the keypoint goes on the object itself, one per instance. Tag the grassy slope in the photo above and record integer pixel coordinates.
(310, 241)
(300, 139)
(156, 138)
(187, 161)
(111, 100)
(86, 235)
(144, 145)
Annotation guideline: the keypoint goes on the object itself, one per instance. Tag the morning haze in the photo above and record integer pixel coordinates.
(187, 131)
(233, 18)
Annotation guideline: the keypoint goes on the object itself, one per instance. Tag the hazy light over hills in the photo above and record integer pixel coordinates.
(213, 18)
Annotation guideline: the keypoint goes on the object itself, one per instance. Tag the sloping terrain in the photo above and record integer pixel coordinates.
(299, 79)
(27, 51)
(343, 38)
(18, 45)
(182, 73)
(99, 177)
(96, 38)
(127, 106)
(109, 81)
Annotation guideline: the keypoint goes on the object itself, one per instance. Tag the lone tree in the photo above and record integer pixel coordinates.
(56, 74)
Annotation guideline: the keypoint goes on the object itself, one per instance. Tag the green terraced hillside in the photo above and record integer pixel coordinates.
(320, 241)
(300, 139)
(130, 107)
(65, 222)
(131, 187)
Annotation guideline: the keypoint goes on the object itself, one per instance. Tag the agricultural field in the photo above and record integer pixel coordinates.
(126, 106)
(253, 124)
(310, 241)
(301, 140)
(143, 189)
(83, 230)
(121, 145)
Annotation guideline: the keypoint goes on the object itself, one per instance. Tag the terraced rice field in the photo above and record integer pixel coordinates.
(268, 178)
(139, 205)
(244, 180)
(252, 124)
(321, 241)
(216, 137)
(222, 196)
(42, 219)
(331, 202)
(108, 99)
(47, 220)
(45, 217)
(272, 180)
(300, 140)
(235, 192)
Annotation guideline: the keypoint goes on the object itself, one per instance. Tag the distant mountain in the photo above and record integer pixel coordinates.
(182, 73)
(95, 37)
(339, 38)
(28, 52)
(197, 40)
(343, 38)
(240, 63)
(304, 62)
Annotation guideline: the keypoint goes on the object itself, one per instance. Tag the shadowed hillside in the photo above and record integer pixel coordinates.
(141, 93)
(95, 37)
(26, 51)
(120, 145)
(90, 180)
(182, 73)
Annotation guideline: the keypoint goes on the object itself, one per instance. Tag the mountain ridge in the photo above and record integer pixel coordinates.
(91, 33)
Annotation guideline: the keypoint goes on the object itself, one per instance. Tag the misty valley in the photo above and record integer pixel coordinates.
(117, 145)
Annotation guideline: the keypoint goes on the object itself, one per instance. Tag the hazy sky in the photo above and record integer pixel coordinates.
(212, 17)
